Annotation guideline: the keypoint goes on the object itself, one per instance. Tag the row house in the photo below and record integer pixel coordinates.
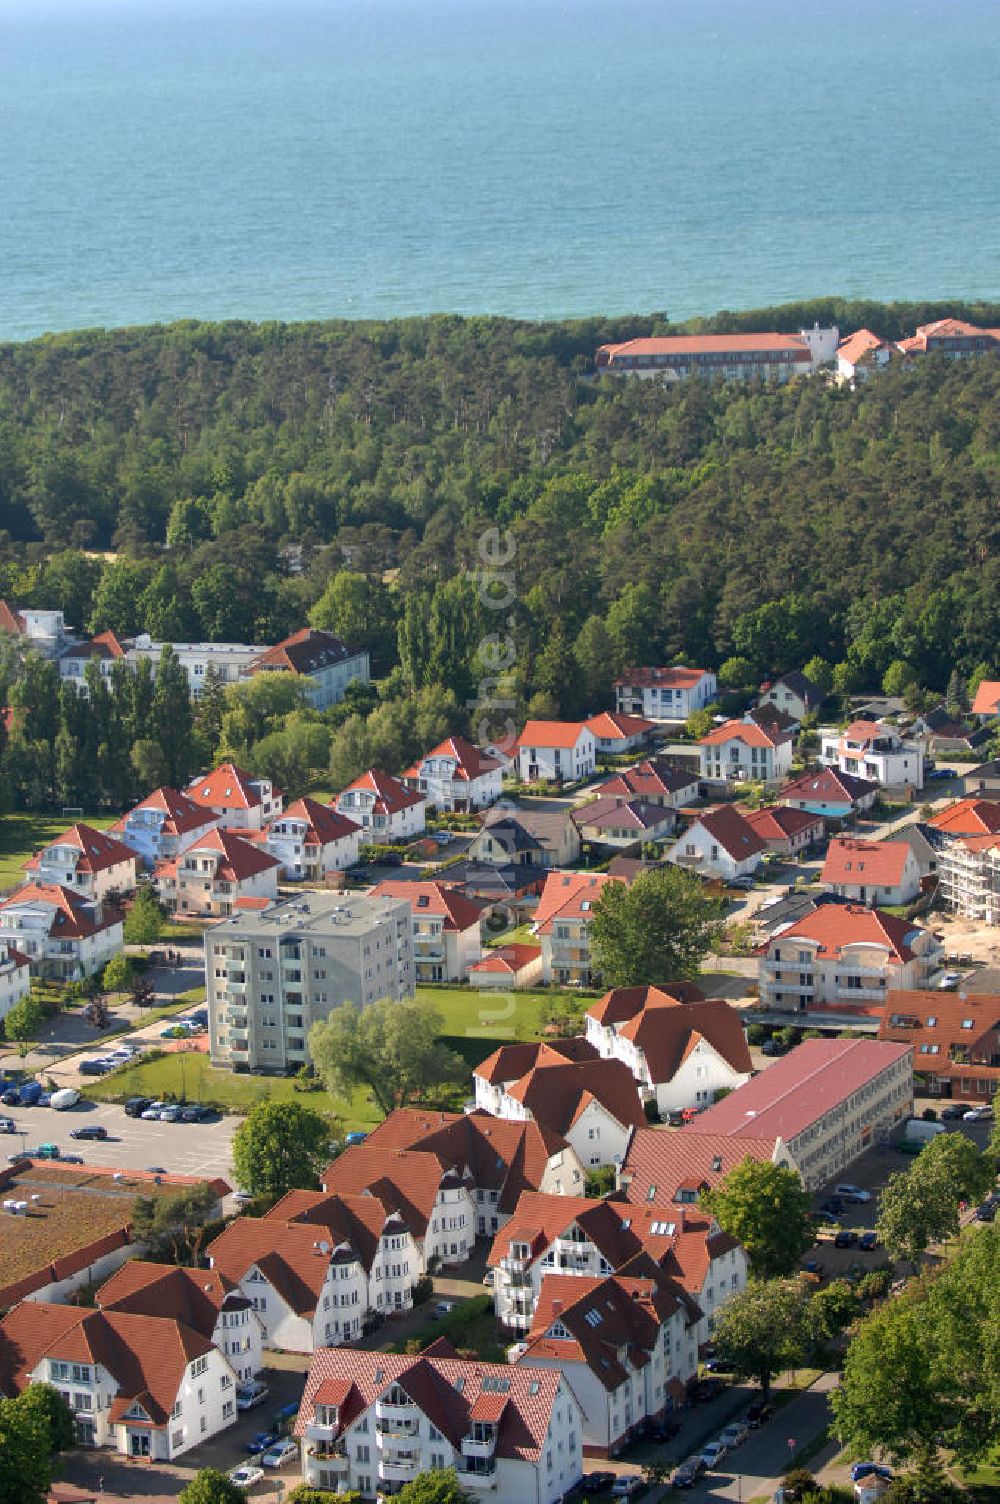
(626, 1344)
(447, 927)
(318, 1267)
(844, 957)
(785, 831)
(593, 1103)
(456, 775)
(240, 800)
(664, 694)
(876, 751)
(719, 844)
(148, 1386)
(822, 1105)
(794, 693)
(562, 924)
(500, 1159)
(872, 872)
(492, 1077)
(741, 750)
(555, 752)
(65, 936)
(618, 823)
(654, 781)
(15, 976)
(311, 840)
(158, 829)
(955, 1042)
(544, 838)
(371, 1422)
(434, 1198)
(589, 1239)
(325, 666)
(616, 735)
(383, 806)
(85, 860)
(832, 794)
(681, 1047)
(216, 875)
(203, 1299)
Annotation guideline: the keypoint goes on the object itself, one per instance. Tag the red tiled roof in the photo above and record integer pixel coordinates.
(971, 817)
(747, 732)
(324, 824)
(239, 859)
(780, 821)
(391, 796)
(182, 814)
(834, 926)
(942, 329)
(609, 726)
(73, 917)
(646, 779)
(564, 895)
(194, 1296)
(509, 959)
(859, 344)
(226, 787)
(286, 1245)
(667, 1025)
(829, 786)
(622, 1003)
(798, 1089)
(621, 814)
(987, 700)
(470, 761)
(733, 833)
(658, 1165)
(563, 734)
(11, 621)
(665, 678)
(558, 1094)
(98, 852)
(307, 651)
(406, 1181)
(512, 1061)
(600, 1319)
(704, 344)
(435, 899)
(855, 863)
(956, 1037)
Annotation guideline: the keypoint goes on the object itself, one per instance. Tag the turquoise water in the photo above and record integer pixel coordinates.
(313, 158)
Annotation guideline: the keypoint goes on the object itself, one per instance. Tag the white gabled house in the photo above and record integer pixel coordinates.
(742, 750)
(434, 1198)
(311, 840)
(872, 872)
(876, 751)
(86, 861)
(162, 825)
(216, 874)
(456, 775)
(383, 806)
(664, 694)
(240, 800)
(64, 936)
(555, 752)
(721, 844)
(447, 927)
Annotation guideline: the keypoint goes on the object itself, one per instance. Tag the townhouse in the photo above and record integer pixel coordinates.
(240, 800)
(507, 968)
(545, 838)
(318, 1268)
(216, 875)
(786, 831)
(875, 750)
(497, 1158)
(148, 1386)
(872, 872)
(588, 1239)
(654, 781)
(844, 957)
(835, 795)
(562, 923)
(65, 936)
(722, 357)
(861, 353)
(456, 775)
(720, 844)
(592, 1103)
(616, 734)
(741, 750)
(955, 1042)
(325, 665)
(271, 974)
(682, 1048)
(794, 693)
(203, 1299)
(158, 828)
(311, 840)
(434, 1198)
(664, 694)
(555, 752)
(372, 1422)
(627, 1345)
(15, 976)
(86, 861)
(447, 927)
(821, 1106)
(383, 806)
(620, 824)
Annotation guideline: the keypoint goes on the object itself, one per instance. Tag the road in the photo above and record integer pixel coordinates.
(755, 1468)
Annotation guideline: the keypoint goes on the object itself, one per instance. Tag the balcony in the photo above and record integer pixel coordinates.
(396, 1416)
(478, 1474)
(400, 1467)
(387, 1432)
(317, 1432)
(332, 1457)
(482, 1445)
(514, 1266)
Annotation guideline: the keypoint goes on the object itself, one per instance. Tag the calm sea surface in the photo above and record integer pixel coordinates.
(312, 158)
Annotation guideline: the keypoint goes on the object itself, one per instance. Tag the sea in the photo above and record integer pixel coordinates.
(309, 159)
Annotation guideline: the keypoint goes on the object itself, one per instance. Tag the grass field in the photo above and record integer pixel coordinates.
(22, 834)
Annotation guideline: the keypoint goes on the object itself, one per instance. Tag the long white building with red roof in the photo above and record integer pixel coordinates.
(64, 936)
(721, 357)
(325, 665)
(372, 1422)
(456, 775)
(664, 694)
(385, 808)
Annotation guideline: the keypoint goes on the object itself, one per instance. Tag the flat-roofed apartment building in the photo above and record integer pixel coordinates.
(271, 974)
(722, 357)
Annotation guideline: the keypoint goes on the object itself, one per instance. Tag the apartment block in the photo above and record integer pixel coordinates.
(271, 974)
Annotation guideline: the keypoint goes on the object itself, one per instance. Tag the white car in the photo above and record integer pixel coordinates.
(977, 1115)
(246, 1475)
(734, 1435)
(280, 1453)
(949, 979)
(626, 1487)
(152, 1112)
(249, 1396)
(713, 1453)
(852, 1192)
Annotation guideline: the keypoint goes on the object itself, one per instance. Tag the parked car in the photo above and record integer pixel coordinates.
(355, 1138)
(868, 1242)
(195, 1112)
(734, 1435)
(866, 1469)
(287, 1412)
(978, 1115)
(663, 1430)
(688, 1473)
(718, 1365)
(7, 1125)
(713, 1453)
(852, 1193)
(443, 1308)
(948, 979)
(757, 1414)
(97, 1067)
(170, 1114)
(151, 1114)
(261, 1441)
(952, 1111)
(90, 1130)
(156, 1170)
(744, 883)
(280, 1453)
(598, 1482)
(937, 773)
(986, 1212)
(136, 1106)
(242, 1198)
(249, 1396)
(625, 1487)
(846, 1238)
(772, 1047)
(246, 1475)
(705, 1390)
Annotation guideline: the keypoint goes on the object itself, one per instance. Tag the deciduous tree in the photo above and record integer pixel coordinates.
(765, 1208)
(659, 929)
(760, 1330)
(280, 1146)
(390, 1048)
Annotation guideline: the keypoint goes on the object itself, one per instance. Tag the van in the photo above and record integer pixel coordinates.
(136, 1106)
(68, 1097)
(47, 1151)
(30, 1092)
(919, 1131)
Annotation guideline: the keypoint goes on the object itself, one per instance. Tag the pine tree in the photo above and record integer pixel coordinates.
(172, 717)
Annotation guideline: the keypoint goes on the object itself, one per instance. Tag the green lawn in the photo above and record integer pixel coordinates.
(522, 935)
(475, 1024)
(22, 834)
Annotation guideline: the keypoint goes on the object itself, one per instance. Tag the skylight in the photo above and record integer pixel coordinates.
(593, 1318)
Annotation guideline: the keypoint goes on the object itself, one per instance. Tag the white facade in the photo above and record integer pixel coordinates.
(143, 830)
(701, 1074)
(63, 864)
(595, 1137)
(444, 955)
(795, 975)
(699, 850)
(28, 922)
(437, 777)
(744, 752)
(663, 694)
(45, 630)
(382, 824)
(881, 893)
(15, 977)
(229, 661)
(202, 884)
(877, 753)
(539, 762)
(302, 860)
(327, 685)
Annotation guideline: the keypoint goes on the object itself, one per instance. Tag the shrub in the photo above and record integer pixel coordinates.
(757, 1033)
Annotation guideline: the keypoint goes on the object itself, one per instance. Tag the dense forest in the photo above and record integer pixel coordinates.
(233, 481)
